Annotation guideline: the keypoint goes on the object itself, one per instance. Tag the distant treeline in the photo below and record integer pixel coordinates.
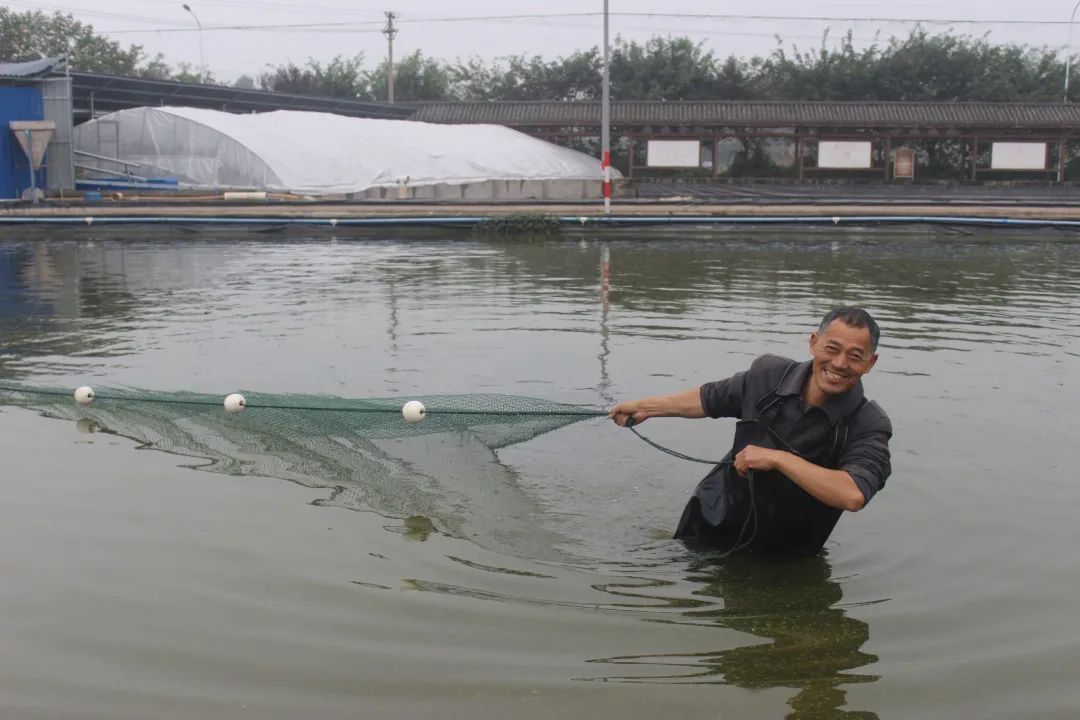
(921, 66)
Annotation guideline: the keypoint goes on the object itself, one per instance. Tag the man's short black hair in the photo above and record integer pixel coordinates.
(854, 317)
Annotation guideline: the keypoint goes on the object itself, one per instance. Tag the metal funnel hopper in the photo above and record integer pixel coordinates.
(33, 137)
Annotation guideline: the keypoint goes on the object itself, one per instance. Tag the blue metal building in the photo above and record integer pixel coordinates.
(32, 91)
(16, 103)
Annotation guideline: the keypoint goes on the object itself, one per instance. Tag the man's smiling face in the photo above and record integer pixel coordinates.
(842, 354)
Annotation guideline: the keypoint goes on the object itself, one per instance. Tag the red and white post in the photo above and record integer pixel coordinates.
(605, 165)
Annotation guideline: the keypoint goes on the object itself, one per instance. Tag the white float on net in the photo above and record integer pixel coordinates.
(413, 412)
(235, 403)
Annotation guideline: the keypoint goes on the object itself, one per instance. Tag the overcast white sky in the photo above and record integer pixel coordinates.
(164, 26)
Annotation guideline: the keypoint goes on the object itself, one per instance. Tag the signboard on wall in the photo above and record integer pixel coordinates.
(844, 154)
(673, 153)
(904, 163)
(1018, 156)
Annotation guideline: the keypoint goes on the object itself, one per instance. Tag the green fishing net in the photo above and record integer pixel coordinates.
(495, 420)
(361, 450)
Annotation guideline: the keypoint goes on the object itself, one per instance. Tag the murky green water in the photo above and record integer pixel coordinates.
(297, 580)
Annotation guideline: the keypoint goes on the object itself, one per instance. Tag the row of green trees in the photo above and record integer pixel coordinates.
(33, 34)
(920, 66)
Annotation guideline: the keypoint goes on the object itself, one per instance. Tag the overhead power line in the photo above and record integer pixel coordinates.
(279, 7)
(284, 27)
(348, 25)
(482, 18)
(727, 17)
(834, 18)
(91, 13)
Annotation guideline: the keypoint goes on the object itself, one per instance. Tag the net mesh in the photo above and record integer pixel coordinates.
(361, 450)
(495, 420)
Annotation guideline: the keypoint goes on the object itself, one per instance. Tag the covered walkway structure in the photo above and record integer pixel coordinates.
(711, 141)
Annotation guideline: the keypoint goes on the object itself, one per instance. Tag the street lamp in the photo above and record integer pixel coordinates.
(1068, 53)
(202, 59)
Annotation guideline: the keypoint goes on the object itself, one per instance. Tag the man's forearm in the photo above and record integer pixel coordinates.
(835, 488)
(686, 404)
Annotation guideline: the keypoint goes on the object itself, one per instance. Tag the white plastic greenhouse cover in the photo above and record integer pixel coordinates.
(322, 153)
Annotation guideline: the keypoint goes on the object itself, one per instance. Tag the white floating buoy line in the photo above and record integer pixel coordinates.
(413, 411)
(233, 403)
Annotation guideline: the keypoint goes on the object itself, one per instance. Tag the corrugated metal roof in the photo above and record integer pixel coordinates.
(106, 93)
(31, 69)
(759, 114)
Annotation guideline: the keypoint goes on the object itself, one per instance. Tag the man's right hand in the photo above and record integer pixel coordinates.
(628, 413)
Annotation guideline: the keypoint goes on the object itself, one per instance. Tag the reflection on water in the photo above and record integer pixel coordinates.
(924, 290)
(418, 527)
(801, 636)
(981, 337)
(811, 645)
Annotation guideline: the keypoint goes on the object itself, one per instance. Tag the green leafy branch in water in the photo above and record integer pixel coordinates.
(519, 224)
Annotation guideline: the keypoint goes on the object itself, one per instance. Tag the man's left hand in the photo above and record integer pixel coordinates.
(753, 457)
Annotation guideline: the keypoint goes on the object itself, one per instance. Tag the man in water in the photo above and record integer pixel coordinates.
(808, 444)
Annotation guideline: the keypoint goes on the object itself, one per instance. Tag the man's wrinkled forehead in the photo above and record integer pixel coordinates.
(847, 335)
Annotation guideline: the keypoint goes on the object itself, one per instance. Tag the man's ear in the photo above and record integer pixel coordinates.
(873, 361)
(813, 339)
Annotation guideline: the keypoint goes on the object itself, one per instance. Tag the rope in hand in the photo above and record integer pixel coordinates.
(739, 544)
(674, 453)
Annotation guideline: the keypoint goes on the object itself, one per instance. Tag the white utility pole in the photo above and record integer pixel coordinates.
(390, 32)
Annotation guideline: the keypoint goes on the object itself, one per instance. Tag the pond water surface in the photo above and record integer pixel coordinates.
(152, 566)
